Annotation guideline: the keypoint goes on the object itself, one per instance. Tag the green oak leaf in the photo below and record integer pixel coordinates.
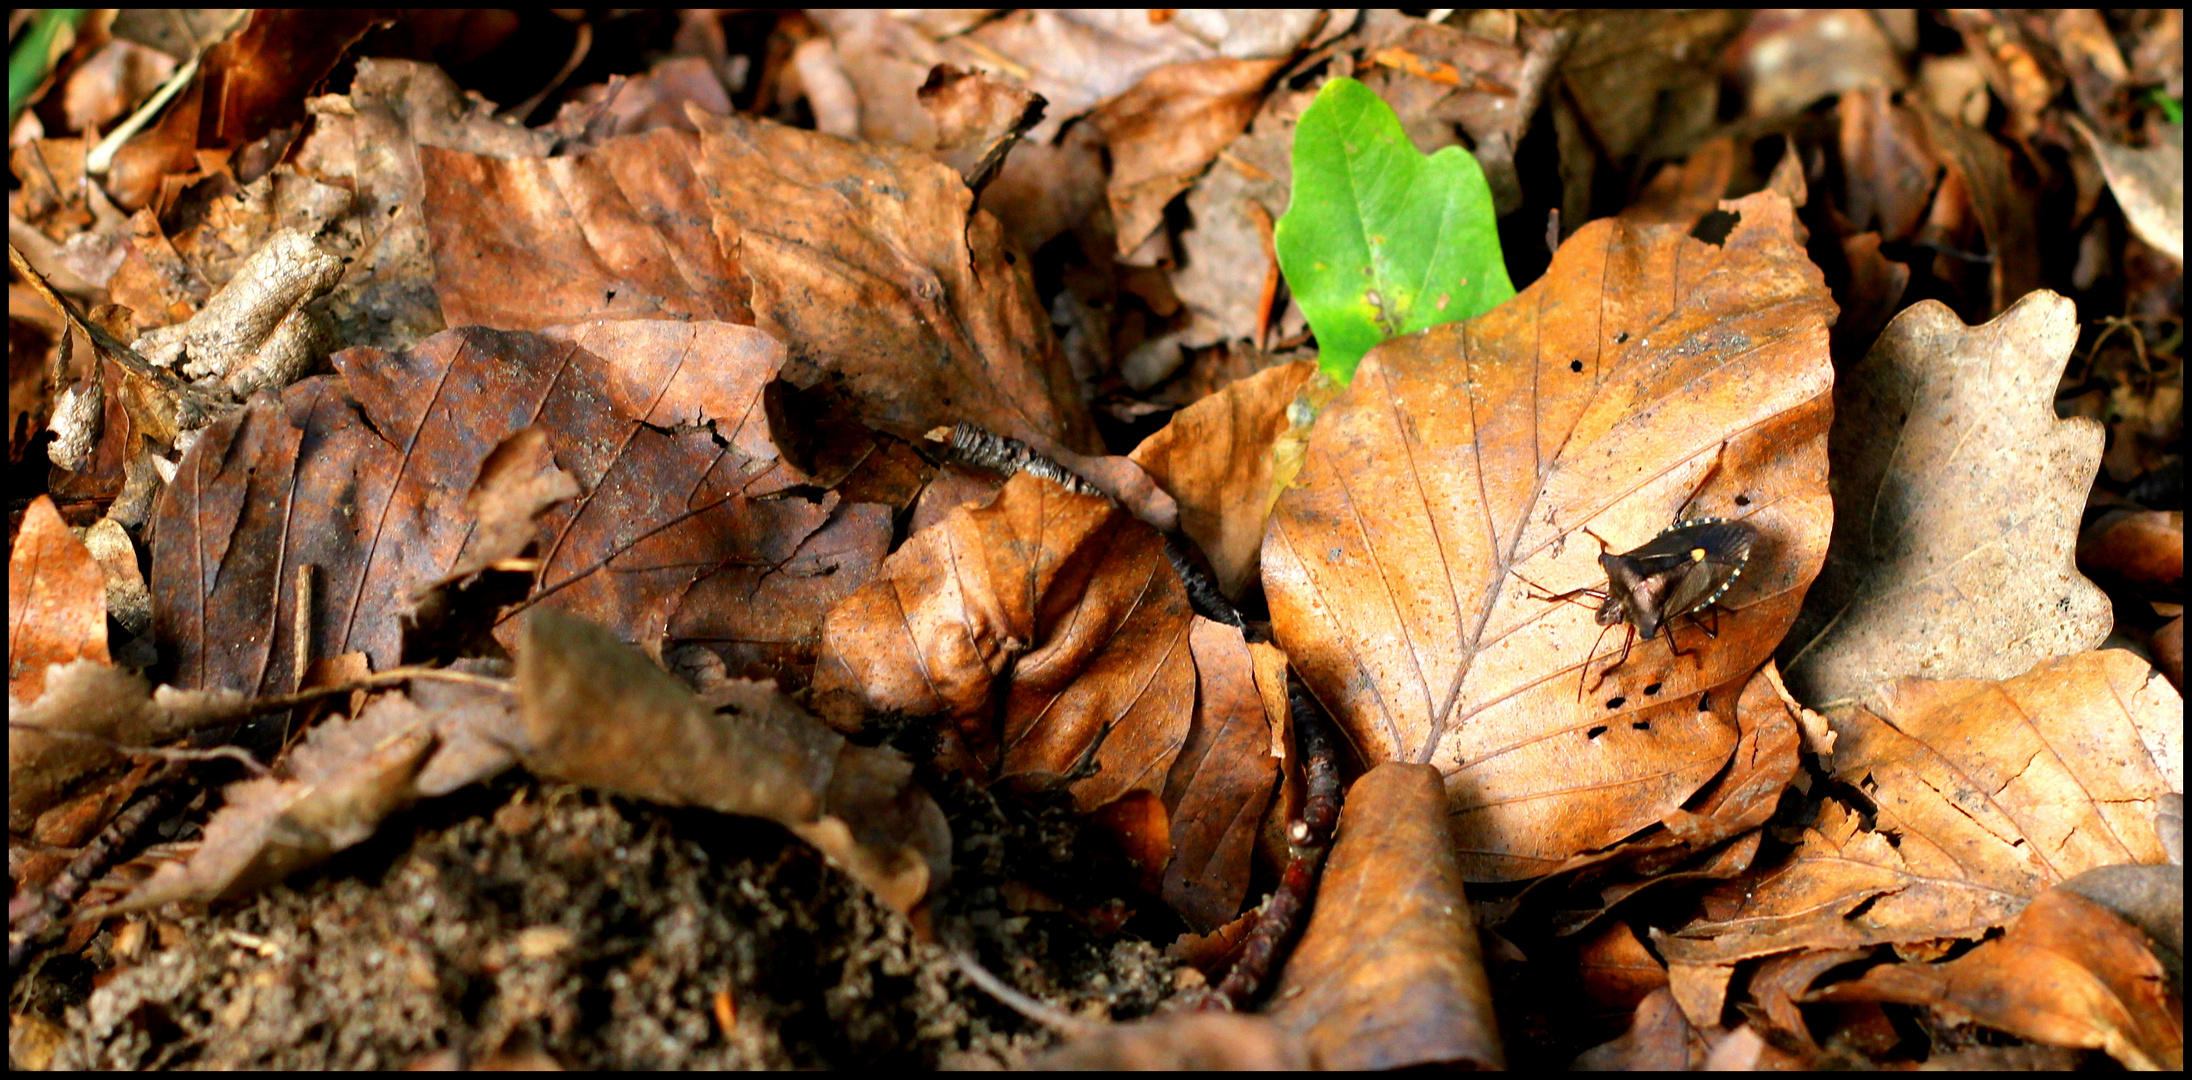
(1380, 240)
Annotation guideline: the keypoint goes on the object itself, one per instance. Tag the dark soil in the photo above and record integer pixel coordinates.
(521, 919)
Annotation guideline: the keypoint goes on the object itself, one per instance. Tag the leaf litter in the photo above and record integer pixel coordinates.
(697, 422)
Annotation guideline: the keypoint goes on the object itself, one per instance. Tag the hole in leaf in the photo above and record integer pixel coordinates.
(1641, 725)
(1714, 227)
(1595, 732)
(1616, 702)
(1621, 337)
(1742, 500)
(1652, 689)
(1575, 365)
(1704, 703)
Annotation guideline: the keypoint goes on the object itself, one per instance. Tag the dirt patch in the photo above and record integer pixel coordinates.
(522, 919)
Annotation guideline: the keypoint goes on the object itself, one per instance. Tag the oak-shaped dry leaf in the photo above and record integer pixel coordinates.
(1215, 459)
(1389, 973)
(1648, 376)
(597, 712)
(681, 527)
(1959, 493)
(1047, 629)
(57, 601)
(1978, 797)
(2068, 972)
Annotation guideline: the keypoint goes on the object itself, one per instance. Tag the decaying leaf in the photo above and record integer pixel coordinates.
(57, 609)
(2148, 184)
(1982, 795)
(1960, 493)
(1389, 973)
(341, 782)
(2068, 972)
(92, 698)
(598, 712)
(681, 527)
(1649, 376)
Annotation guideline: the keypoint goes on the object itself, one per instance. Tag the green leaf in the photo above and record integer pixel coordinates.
(1379, 240)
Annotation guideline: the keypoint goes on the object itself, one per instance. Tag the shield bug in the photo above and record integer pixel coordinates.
(1684, 571)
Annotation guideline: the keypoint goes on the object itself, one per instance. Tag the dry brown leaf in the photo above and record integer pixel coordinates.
(1659, 1039)
(1047, 626)
(370, 141)
(978, 120)
(1215, 459)
(57, 601)
(2068, 972)
(622, 232)
(1462, 466)
(1961, 493)
(2143, 549)
(1982, 795)
(675, 533)
(1220, 784)
(872, 266)
(598, 712)
(1166, 130)
(1193, 1041)
(2148, 184)
(1389, 973)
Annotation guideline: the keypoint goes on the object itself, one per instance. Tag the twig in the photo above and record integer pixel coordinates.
(88, 864)
(1021, 1003)
(1307, 839)
(164, 753)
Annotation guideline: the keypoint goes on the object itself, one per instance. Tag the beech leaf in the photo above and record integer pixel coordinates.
(1648, 376)
(1379, 240)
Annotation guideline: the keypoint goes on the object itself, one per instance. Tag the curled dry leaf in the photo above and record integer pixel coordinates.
(256, 333)
(1219, 786)
(1961, 493)
(598, 712)
(1389, 973)
(1981, 796)
(2148, 183)
(978, 120)
(1047, 627)
(1215, 459)
(1648, 376)
(57, 609)
(681, 527)
(2068, 972)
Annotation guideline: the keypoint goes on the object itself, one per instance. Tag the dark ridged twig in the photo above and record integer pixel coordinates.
(982, 449)
(1308, 837)
(89, 863)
